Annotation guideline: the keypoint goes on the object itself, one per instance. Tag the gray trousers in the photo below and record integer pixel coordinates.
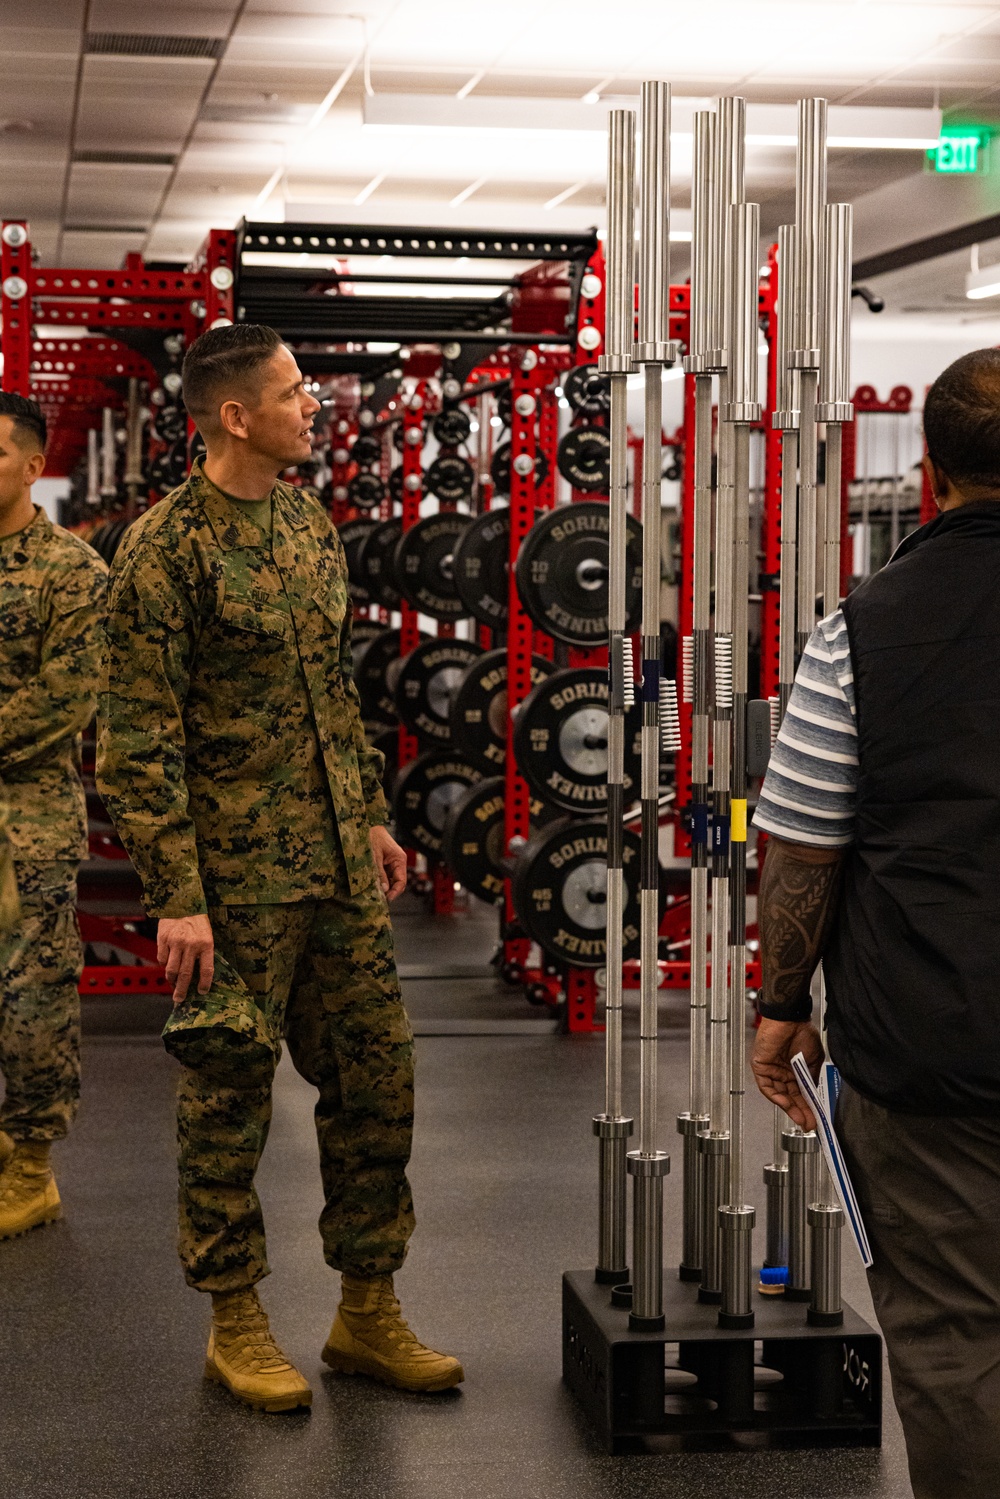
(929, 1191)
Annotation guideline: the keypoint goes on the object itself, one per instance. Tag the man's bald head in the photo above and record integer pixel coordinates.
(962, 422)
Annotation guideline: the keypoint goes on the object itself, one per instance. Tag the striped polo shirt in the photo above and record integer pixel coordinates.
(809, 794)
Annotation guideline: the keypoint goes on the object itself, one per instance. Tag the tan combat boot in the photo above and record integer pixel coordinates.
(243, 1356)
(370, 1336)
(29, 1196)
(6, 1148)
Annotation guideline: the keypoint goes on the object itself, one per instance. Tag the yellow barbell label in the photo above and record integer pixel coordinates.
(738, 819)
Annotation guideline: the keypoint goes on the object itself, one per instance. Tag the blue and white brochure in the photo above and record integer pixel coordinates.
(823, 1101)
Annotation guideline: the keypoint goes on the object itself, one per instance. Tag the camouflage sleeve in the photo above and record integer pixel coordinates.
(151, 628)
(59, 701)
(371, 762)
(10, 901)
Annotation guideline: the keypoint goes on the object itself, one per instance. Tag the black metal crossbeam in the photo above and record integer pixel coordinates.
(395, 239)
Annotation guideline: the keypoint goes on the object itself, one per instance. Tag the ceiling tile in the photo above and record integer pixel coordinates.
(30, 192)
(161, 20)
(141, 101)
(103, 251)
(128, 76)
(114, 194)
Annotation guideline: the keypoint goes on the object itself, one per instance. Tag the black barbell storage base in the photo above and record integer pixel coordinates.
(629, 1383)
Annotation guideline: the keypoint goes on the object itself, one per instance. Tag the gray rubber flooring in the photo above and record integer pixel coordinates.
(101, 1395)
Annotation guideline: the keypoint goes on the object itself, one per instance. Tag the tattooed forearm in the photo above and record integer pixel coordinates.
(796, 903)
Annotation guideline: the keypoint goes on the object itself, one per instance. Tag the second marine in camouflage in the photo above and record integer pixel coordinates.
(52, 589)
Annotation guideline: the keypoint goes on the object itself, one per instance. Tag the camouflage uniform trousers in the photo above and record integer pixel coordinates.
(40, 1006)
(323, 973)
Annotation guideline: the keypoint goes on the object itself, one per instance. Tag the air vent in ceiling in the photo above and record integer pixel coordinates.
(105, 229)
(126, 158)
(140, 44)
(248, 114)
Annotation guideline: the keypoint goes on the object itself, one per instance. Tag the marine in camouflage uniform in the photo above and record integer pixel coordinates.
(52, 593)
(232, 758)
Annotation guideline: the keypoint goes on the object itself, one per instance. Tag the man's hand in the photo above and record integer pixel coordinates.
(181, 942)
(777, 1042)
(390, 862)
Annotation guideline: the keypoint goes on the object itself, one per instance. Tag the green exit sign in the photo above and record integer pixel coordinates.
(960, 153)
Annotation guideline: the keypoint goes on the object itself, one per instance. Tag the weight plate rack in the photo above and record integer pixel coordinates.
(561, 741)
(353, 535)
(562, 573)
(481, 567)
(480, 712)
(474, 842)
(453, 565)
(376, 562)
(560, 884)
(426, 684)
(424, 793)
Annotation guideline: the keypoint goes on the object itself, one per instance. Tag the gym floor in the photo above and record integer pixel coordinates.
(102, 1396)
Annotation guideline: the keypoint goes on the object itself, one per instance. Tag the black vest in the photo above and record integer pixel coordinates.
(913, 968)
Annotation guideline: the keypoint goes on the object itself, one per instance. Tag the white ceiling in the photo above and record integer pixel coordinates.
(273, 125)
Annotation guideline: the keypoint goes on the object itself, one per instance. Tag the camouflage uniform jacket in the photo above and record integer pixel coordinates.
(52, 593)
(231, 753)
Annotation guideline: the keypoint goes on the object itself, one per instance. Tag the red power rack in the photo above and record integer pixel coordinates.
(76, 372)
(72, 375)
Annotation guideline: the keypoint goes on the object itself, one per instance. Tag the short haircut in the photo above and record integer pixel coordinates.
(29, 423)
(962, 420)
(225, 364)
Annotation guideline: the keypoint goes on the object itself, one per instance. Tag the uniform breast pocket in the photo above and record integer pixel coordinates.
(250, 643)
(20, 640)
(331, 600)
(321, 624)
(245, 617)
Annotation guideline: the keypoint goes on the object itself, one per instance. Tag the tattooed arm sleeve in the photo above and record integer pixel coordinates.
(140, 743)
(371, 762)
(60, 699)
(796, 904)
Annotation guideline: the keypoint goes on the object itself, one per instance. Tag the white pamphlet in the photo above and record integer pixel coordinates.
(822, 1099)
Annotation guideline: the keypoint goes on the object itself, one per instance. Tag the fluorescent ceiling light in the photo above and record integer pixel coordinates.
(370, 187)
(854, 142)
(564, 196)
(466, 89)
(593, 96)
(983, 283)
(851, 127)
(467, 192)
